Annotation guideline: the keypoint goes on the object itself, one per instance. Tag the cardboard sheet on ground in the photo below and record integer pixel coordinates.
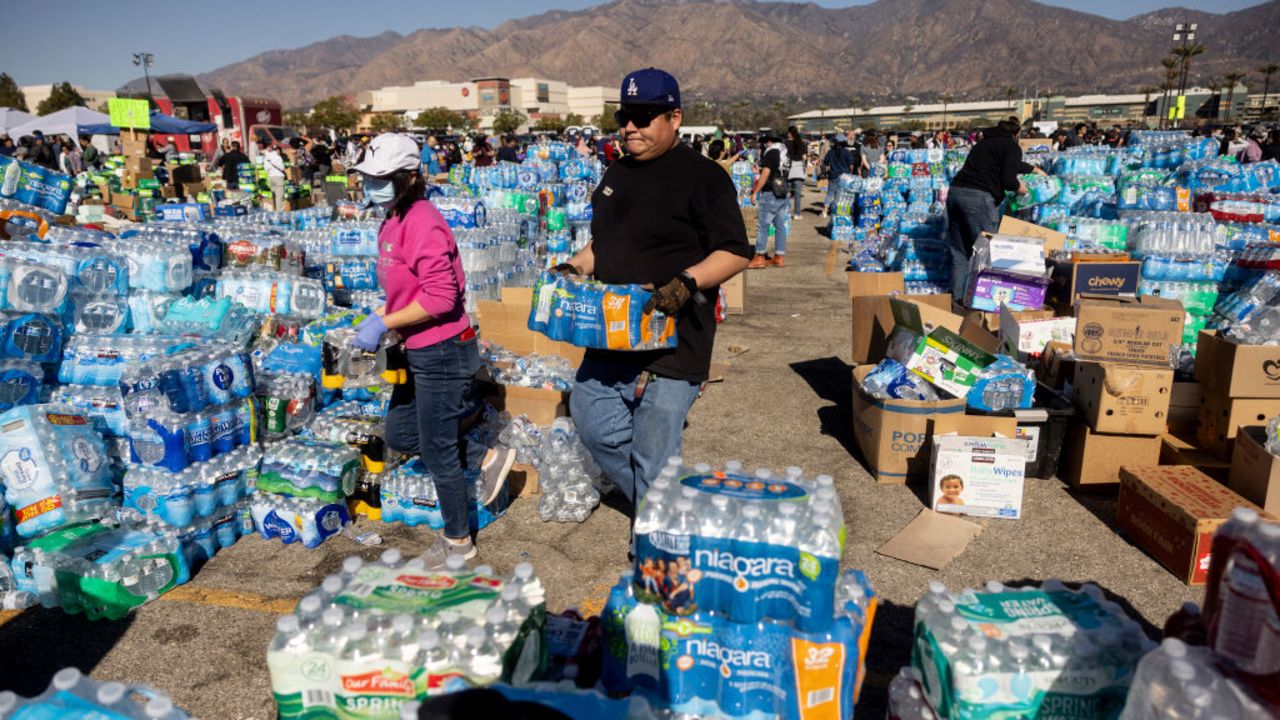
(932, 540)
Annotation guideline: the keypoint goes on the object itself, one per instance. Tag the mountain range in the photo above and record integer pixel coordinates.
(800, 52)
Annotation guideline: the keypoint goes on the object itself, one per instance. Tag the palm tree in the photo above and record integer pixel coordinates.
(1214, 85)
(1009, 94)
(1170, 65)
(1184, 53)
(946, 100)
(1266, 71)
(1232, 79)
(1147, 92)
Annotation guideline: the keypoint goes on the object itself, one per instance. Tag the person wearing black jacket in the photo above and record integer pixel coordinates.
(230, 163)
(973, 201)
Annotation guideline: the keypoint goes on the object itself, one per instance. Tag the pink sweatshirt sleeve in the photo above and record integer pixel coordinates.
(430, 250)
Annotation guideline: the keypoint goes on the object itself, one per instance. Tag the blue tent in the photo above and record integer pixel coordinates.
(161, 124)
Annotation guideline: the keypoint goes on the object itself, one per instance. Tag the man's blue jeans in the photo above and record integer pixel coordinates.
(629, 437)
(970, 212)
(425, 418)
(773, 211)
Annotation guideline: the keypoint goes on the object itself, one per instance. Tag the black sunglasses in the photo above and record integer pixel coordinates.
(641, 118)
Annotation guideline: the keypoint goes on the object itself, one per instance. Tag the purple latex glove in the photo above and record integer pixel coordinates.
(369, 332)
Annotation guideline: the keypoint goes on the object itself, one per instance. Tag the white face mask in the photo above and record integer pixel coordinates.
(379, 191)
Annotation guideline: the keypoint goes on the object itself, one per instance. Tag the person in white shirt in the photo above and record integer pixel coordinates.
(273, 163)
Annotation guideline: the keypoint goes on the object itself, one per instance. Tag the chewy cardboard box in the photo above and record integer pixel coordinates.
(1093, 460)
(873, 317)
(506, 323)
(1172, 512)
(1140, 331)
(1178, 450)
(1222, 416)
(1255, 472)
(1123, 399)
(894, 435)
(1237, 370)
(1071, 278)
(980, 476)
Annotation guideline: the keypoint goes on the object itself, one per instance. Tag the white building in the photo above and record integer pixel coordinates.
(93, 99)
(482, 98)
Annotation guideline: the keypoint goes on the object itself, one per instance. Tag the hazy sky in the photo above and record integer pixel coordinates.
(91, 42)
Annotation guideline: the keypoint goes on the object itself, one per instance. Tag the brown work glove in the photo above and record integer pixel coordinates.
(673, 295)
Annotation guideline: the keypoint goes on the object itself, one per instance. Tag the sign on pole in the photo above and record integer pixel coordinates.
(127, 113)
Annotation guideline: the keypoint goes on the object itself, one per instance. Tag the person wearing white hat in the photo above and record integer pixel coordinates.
(420, 270)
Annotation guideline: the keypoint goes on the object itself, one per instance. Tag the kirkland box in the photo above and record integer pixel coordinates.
(979, 476)
(894, 434)
(1172, 512)
(1141, 331)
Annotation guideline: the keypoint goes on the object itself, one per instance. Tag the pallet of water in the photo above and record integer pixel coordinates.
(1025, 652)
(376, 635)
(751, 547)
(72, 695)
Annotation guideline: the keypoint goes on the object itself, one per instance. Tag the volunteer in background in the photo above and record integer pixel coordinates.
(323, 159)
(88, 154)
(421, 271)
(230, 163)
(430, 161)
(273, 163)
(975, 195)
(668, 217)
(797, 151)
(769, 195)
(839, 160)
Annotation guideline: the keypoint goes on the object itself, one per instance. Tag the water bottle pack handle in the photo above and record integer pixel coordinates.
(6, 215)
(173, 571)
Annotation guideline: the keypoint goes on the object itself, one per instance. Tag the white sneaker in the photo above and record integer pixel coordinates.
(497, 465)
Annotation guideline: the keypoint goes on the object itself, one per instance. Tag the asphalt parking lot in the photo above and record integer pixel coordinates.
(785, 401)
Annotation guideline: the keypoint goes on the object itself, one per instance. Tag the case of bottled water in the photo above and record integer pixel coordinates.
(266, 292)
(751, 547)
(100, 570)
(377, 635)
(301, 520)
(54, 468)
(408, 495)
(72, 695)
(343, 365)
(201, 491)
(163, 438)
(590, 314)
(288, 403)
(31, 336)
(312, 469)
(154, 264)
(204, 537)
(1034, 652)
(706, 664)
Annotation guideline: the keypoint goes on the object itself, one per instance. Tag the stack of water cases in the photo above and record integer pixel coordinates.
(408, 495)
(737, 607)
(72, 695)
(1028, 652)
(302, 490)
(377, 635)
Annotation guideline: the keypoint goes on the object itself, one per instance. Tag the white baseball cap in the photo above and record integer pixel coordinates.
(388, 153)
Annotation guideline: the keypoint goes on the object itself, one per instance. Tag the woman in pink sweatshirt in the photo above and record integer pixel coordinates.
(421, 272)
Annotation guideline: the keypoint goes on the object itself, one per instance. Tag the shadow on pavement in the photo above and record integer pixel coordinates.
(887, 652)
(832, 380)
(29, 640)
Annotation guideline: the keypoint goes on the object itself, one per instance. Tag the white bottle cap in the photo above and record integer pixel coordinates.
(686, 505)
(332, 585)
(475, 637)
(357, 632)
(310, 605)
(751, 511)
(108, 694)
(8, 701)
(402, 624)
(332, 616)
(428, 639)
(937, 587)
(523, 571)
(159, 707)
(1173, 647)
(494, 615)
(455, 563)
(1244, 515)
(66, 678)
(287, 624)
(352, 564)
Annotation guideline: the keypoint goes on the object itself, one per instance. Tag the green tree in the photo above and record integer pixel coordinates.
(1009, 94)
(295, 119)
(605, 121)
(1170, 65)
(551, 123)
(1232, 79)
(1266, 71)
(386, 122)
(335, 112)
(11, 95)
(63, 96)
(508, 121)
(439, 118)
(574, 119)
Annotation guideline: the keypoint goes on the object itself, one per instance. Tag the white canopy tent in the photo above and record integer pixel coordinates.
(67, 121)
(11, 118)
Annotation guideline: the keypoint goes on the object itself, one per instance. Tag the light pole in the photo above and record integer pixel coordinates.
(146, 60)
(1184, 33)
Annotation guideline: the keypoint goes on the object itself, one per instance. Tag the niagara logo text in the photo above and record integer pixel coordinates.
(729, 656)
(744, 566)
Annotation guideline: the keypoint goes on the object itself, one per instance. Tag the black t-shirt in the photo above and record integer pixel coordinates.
(230, 163)
(771, 161)
(320, 154)
(508, 154)
(652, 220)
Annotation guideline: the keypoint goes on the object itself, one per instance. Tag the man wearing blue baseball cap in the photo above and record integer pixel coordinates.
(666, 217)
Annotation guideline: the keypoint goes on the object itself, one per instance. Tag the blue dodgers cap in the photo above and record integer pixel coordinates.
(650, 86)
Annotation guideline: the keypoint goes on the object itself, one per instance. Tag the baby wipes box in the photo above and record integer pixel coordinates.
(980, 476)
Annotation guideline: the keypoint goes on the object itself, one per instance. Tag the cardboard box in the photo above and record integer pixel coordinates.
(1172, 512)
(735, 292)
(1026, 334)
(182, 212)
(139, 166)
(980, 476)
(1093, 460)
(1123, 399)
(1071, 278)
(1221, 418)
(133, 146)
(1053, 240)
(948, 361)
(1185, 399)
(522, 480)
(1057, 365)
(1237, 370)
(1183, 450)
(1140, 331)
(1255, 472)
(506, 323)
(873, 316)
(895, 435)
